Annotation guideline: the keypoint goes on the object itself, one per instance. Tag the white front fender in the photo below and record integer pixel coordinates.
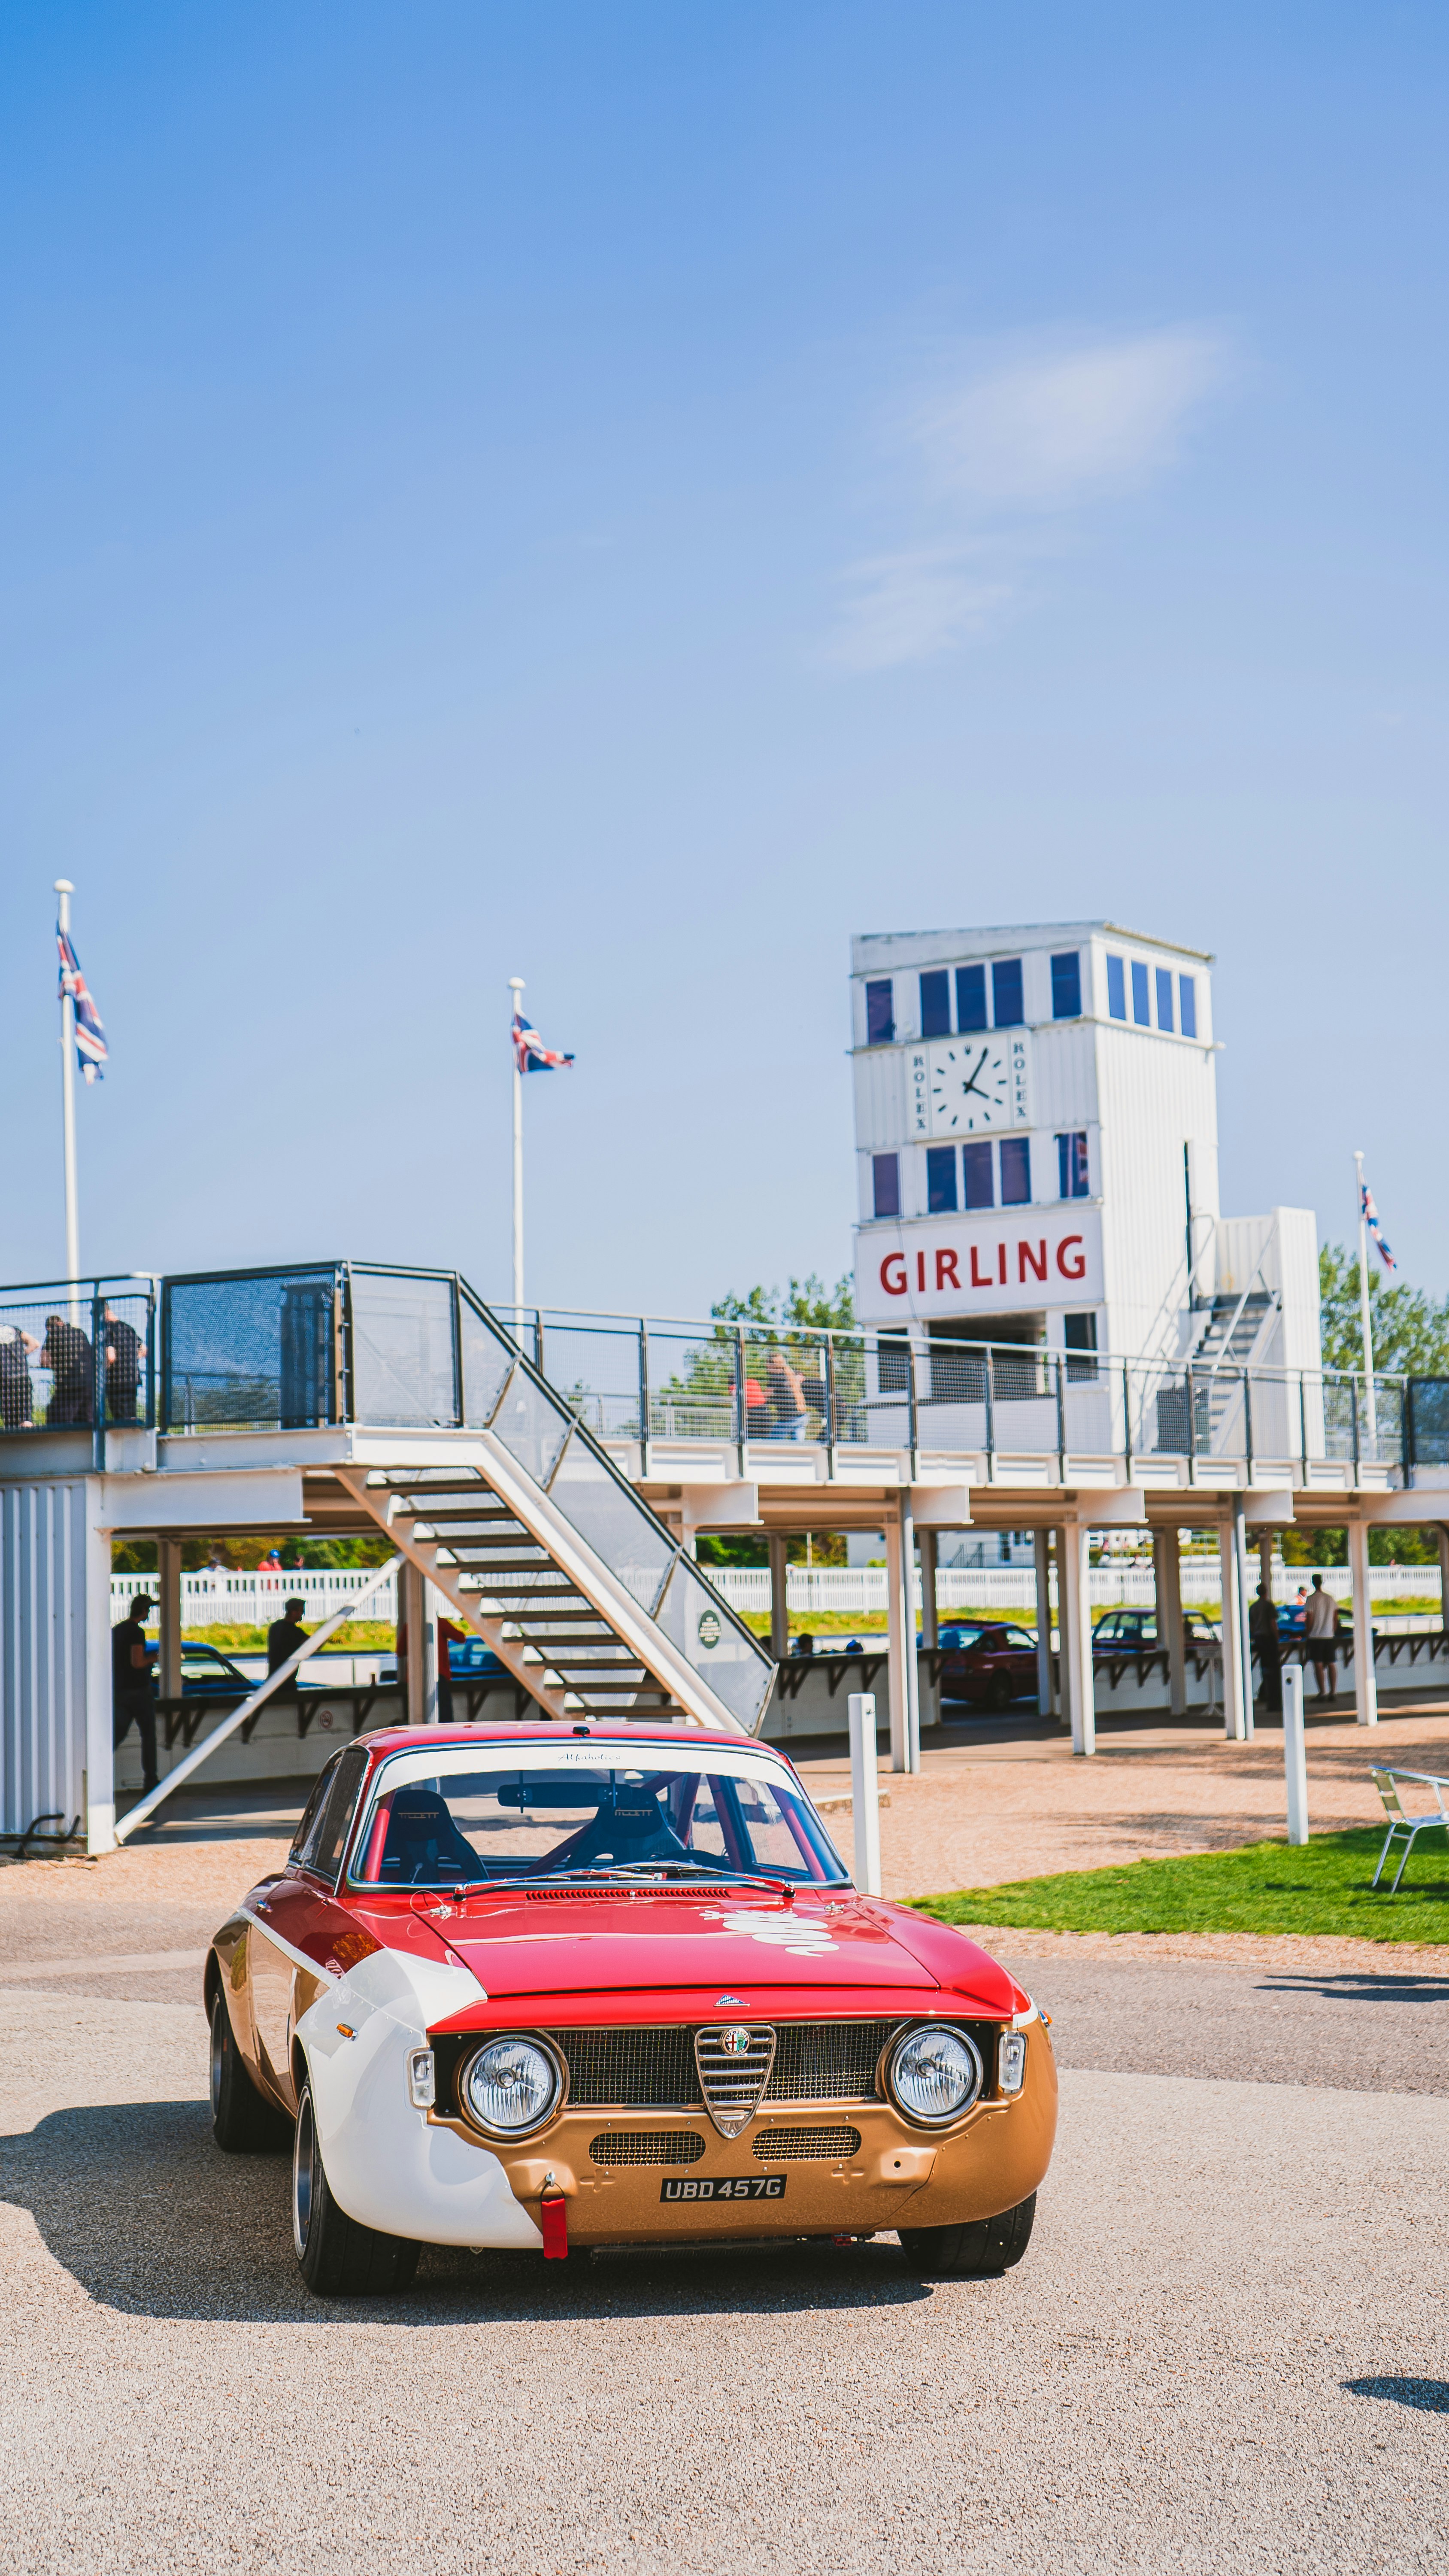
(387, 2166)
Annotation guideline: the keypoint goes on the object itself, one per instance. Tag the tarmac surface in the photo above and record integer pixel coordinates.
(1226, 2348)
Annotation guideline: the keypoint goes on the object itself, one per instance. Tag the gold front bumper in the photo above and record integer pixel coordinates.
(897, 2176)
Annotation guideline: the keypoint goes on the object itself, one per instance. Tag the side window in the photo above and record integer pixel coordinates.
(328, 1839)
(1141, 1006)
(313, 1809)
(976, 1168)
(885, 1173)
(893, 1363)
(1116, 988)
(1067, 986)
(1072, 1166)
(936, 1003)
(1079, 1332)
(1164, 999)
(1006, 993)
(1187, 1005)
(970, 998)
(880, 1017)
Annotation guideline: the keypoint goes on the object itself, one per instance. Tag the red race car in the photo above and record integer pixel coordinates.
(521, 1986)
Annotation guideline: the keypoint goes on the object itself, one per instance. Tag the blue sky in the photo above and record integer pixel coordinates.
(629, 497)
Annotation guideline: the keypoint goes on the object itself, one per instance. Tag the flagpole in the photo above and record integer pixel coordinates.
(515, 986)
(1370, 1408)
(65, 890)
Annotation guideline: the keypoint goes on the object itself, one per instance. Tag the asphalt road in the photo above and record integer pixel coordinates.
(1225, 2349)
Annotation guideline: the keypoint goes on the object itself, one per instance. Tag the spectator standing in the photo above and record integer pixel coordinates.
(787, 1399)
(285, 1635)
(124, 1356)
(1263, 1629)
(67, 1353)
(17, 1395)
(133, 1701)
(1320, 1634)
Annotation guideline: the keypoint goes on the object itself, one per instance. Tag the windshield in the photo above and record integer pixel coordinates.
(597, 1813)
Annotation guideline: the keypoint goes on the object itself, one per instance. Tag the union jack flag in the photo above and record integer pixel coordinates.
(90, 1037)
(1371, 1220)
(530, 1053)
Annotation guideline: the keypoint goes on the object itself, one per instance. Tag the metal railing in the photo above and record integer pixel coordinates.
(78, 1355)
(307, 1345)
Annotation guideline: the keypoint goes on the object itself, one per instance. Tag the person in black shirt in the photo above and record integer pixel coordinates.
(124, 1349)
(1263, 1629)
(67, 1353)
(284, 1636)
(132, 1700)
(17, 1395)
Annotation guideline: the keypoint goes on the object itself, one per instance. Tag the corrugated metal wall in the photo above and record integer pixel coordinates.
(43, 1558)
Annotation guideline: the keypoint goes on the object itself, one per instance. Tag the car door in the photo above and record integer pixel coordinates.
(288, 1908)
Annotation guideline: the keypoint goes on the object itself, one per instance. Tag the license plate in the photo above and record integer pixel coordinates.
(724, 2187)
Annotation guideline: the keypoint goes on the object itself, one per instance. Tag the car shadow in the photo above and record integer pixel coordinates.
(137, 2203)
(1429, 2396)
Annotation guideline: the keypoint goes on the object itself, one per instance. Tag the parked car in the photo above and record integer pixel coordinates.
(1125, 1632)
(995, 1665)
(514, 1988)
(206, 1672)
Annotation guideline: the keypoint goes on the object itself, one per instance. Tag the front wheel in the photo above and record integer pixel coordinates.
(243, 2122)
(980, 2251)
(339, 2257)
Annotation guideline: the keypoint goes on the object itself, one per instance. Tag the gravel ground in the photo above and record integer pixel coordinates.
(1225, 2350)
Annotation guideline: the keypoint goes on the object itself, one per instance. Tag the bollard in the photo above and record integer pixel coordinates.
(1295, 1762)
(865, 1791)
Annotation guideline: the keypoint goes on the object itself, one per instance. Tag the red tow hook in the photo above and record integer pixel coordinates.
(553, 2218)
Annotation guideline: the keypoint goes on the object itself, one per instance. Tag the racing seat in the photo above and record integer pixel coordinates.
(629, 1827)
(423, 1843)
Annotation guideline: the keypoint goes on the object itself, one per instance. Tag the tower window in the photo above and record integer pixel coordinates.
(976, 1171)
(1015, 1171)
(1072, 1175)
(880, 1017)
(886, 1182)
(1079, 1332)
(1187, 1005)
(1116, 988)
(1164, 998)
(1067, 987)
(941, 1178)
(970, 998)
(1141, 1006)
(1006, 993)
(936, 1003)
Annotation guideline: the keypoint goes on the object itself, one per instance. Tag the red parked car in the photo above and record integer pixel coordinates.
(524, 1987)
(993, 1665)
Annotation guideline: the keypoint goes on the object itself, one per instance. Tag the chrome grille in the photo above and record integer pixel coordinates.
(803, 2146)
(653, 2069)
(734, 2062)
(647, 2147)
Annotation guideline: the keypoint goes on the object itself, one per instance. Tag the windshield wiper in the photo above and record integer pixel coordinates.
(627, 1872)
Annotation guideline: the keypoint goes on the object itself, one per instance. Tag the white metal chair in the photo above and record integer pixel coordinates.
(1400, 1823)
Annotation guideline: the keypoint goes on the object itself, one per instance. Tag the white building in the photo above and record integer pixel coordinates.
(1036, 1133)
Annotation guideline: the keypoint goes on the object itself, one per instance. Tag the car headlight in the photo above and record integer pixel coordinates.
(511, 2086)
(934, 2075)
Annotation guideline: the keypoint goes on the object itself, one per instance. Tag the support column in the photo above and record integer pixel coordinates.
(1265, 1562)
(1167, 1578)
(1045, 1693)
(901, 1639)
(929, 1692)
(417, 1617)
(168, 1591)
(97, 1799)
(1365, 1680)
(1237, 1665)
(1074, 1565)
(778, 1547)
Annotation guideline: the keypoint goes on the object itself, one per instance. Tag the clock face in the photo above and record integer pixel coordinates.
(978, 1084)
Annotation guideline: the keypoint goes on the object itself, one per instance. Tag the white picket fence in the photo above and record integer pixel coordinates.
(214, 1599)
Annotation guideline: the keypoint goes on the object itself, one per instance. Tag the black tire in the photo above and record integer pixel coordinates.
(979, 2251)
(243, 2121)
(339, 2258)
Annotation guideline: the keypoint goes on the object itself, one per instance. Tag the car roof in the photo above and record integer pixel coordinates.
(412, 1739)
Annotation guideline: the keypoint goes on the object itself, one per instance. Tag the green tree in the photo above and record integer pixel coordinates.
(807, 1304)
(1410, 1331)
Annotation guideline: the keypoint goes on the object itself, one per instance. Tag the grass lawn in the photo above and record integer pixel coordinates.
(1264, 1887)
(359, 1637)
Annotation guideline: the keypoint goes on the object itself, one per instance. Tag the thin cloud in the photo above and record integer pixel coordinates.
(1003, 457)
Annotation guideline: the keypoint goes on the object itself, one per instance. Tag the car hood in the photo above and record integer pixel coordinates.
(558, 1945)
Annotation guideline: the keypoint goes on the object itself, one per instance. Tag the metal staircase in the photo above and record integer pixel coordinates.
(540, 1544)
(1232, 1340)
